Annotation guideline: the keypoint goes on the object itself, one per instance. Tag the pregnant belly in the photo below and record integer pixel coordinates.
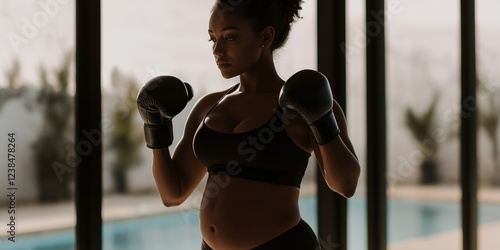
(237, 213)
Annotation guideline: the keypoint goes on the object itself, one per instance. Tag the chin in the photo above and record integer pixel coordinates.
(228, 75)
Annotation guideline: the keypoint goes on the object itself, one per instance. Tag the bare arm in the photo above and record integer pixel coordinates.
(178, 175)
(337, 159)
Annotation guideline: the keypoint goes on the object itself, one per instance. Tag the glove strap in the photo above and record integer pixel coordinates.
(325, 129)
(159, 136)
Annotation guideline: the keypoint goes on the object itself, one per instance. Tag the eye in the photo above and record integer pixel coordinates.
(230, 38)
(211, 39)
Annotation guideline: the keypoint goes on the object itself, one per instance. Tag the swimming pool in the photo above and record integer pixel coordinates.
(406, 220)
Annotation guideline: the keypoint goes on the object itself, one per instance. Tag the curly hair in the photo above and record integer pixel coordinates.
(280, 14)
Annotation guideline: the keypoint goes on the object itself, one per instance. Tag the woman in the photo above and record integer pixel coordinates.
(255, 150)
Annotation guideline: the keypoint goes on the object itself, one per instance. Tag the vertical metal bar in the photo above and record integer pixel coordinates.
(468, 136)
(376, 125)
(332, 207)
(88, 183)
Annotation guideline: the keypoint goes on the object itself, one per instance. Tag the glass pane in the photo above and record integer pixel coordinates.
(423, 84)
(488, 94)
(356, 118)
(144, 40)
(36, 124)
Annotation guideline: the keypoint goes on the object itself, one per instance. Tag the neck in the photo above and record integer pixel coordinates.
(263, 77)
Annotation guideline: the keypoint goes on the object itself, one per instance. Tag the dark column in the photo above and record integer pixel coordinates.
(88, 190)
(376, 126)
(332, 207)
(468, 136)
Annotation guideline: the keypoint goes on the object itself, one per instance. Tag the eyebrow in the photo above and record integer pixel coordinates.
(227, 28)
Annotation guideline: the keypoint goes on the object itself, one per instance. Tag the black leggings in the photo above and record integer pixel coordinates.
(300, 237)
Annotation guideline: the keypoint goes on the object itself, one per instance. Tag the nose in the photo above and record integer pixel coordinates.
(218, 49)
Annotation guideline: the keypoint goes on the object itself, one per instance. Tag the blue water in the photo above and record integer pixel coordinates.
(406, 220)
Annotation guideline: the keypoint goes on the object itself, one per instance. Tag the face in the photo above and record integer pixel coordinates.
(236, 46)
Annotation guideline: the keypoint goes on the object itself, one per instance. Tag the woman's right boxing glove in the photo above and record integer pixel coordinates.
(308, 93)
(158, 101)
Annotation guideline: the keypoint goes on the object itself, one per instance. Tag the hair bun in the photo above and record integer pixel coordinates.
(292, 8)
(277, 13)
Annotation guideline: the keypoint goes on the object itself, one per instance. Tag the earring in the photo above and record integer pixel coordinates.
(262, 46)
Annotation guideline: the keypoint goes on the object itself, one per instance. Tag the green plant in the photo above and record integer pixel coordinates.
(15, 88)
(421, 128)
(56, 105)
(489, 117)
(126, 136)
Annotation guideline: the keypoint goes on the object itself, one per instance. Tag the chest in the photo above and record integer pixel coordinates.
(241, 113)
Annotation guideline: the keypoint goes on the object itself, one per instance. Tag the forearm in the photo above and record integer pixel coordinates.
(166, 176)
(340, 167)
(308, 93)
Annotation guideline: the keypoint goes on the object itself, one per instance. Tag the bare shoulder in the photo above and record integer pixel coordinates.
(203, 105)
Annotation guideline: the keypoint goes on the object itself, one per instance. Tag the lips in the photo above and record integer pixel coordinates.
(223, 64)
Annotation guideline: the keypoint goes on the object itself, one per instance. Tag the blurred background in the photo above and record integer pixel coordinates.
(143, 39)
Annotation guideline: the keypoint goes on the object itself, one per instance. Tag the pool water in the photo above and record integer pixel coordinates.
(406, 220)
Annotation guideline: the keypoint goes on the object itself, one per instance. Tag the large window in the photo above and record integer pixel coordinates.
(36, 122)
(423, 80)
(423, 122)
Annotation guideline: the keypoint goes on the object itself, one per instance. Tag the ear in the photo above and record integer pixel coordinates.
(267, 36)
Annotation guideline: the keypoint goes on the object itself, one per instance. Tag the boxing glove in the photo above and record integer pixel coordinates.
(308, 93)
(158, 101)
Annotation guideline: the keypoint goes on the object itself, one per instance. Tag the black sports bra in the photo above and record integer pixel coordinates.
(263, 154)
